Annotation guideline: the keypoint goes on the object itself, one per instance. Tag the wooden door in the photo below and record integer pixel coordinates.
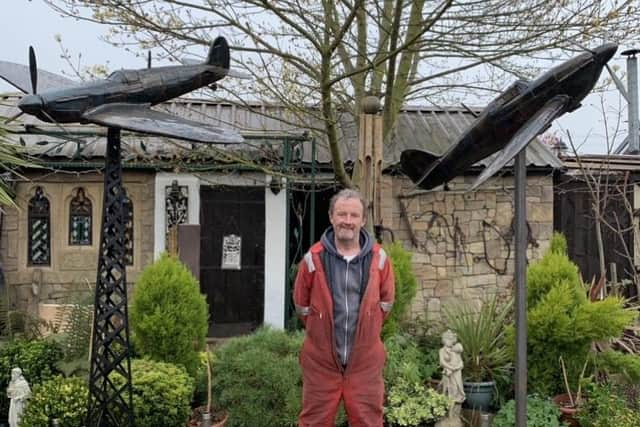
(232, 234)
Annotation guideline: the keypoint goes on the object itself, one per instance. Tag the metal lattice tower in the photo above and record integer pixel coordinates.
(110, 402)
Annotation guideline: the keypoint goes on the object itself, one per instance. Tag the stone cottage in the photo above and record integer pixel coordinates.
(462, 242)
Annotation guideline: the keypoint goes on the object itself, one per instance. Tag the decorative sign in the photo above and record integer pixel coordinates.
(231, 252)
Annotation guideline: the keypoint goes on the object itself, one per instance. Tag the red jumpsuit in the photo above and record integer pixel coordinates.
(325, 382)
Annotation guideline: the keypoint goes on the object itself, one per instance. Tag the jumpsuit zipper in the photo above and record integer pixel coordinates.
(346, 322)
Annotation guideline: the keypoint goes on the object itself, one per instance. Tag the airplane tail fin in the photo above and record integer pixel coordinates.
(219, 53)
(419, 166)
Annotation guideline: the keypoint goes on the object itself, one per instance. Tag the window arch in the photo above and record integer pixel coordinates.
(39, 223)
(80, 219)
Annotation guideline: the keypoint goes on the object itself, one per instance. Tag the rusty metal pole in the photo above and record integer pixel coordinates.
(521, 288)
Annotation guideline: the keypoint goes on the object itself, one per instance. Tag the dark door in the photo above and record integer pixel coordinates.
(232, 257)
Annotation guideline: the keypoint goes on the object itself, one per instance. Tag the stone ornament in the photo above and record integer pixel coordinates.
(451, 362)
(18, 392)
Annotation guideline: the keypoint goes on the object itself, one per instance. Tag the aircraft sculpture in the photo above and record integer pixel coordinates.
(123, 99)
(511, 121)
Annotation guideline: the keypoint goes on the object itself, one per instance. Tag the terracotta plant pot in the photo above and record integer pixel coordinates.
(567, 411)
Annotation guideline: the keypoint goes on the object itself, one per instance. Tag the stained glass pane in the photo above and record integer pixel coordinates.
(39, 245)
(80, 219)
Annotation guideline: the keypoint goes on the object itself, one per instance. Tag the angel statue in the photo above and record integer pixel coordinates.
(18, 391)
(451, 363)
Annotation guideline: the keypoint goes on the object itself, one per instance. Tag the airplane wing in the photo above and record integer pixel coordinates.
(18, 75)
(140, 118)
(536, 124)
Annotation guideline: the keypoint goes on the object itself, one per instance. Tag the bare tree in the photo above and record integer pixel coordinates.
(320, 58)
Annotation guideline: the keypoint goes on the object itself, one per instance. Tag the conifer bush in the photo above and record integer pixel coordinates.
(169, 314)
(561, 321)
(257, 379)
(405, 284)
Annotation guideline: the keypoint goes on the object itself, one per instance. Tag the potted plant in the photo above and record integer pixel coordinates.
(570, 402)
(203, 416)
(480, 330)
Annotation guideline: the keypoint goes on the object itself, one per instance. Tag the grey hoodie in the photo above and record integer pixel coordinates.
(348, 281)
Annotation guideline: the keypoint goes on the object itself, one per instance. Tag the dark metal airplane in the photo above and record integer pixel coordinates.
(511, 121)
(123, 99)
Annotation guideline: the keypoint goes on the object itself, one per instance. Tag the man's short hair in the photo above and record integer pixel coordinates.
(347, 193)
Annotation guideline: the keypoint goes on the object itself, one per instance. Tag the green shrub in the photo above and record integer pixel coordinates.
(627, 365)
(37, 359)
(61, 398)
(258, 380)
(406, 360)
(161, 393)
(412, 404)
(540, 413)
(169, 315)
(562, 322)
(406, 285)
(405, 372)
(603, 407)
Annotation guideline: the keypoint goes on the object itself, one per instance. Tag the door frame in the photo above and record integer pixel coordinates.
(276, 229)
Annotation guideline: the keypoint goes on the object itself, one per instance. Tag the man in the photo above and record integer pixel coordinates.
(343, 291)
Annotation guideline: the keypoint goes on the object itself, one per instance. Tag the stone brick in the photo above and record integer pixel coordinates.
(444, 288)
(541, 212)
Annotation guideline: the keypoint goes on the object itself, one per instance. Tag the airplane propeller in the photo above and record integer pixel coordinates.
(33, 70)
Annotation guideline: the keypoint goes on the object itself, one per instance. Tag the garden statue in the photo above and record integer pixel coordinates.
(451, 362)
(18, 391)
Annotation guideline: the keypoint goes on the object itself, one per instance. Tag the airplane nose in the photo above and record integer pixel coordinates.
(605, 52)
(31, 104)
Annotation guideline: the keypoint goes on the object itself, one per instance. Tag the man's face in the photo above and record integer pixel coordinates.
(347, 219)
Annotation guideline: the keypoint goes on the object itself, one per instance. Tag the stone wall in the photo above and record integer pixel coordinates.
(462, 243)
(73, 268)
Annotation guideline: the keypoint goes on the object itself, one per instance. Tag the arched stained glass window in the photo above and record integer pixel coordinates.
(39, 224)
(80, 219)
(128, 229)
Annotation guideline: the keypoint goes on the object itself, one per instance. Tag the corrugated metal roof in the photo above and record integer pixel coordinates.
(432, 129)
(601, 162)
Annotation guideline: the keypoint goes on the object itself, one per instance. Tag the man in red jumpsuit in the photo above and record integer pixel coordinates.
(343, 291)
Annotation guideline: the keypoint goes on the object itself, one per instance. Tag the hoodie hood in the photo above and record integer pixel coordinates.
(329, 243)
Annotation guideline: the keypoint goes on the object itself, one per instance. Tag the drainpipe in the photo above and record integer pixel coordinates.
(632, 88)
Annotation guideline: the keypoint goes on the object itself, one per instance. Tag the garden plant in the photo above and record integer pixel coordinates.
(62, 398)
(406, 285)
(258, 380)
(540, 413)
(162, 393)
(169, 314)
(563, 322)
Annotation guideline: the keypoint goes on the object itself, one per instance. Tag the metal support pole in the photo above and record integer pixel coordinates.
(521, 288)
(632, 87)
(312, 207)
(110, 404)
(287, 271)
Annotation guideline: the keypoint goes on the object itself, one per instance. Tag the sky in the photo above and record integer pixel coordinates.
(31, 22)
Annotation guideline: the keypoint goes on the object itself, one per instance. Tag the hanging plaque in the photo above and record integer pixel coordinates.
(231, 251)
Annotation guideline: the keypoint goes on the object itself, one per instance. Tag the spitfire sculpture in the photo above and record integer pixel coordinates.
(123, 99)
(511, 121)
